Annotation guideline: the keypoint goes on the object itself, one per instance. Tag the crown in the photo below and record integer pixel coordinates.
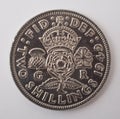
(59, 36)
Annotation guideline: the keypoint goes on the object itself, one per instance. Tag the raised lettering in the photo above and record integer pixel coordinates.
(29, 33)
(83, 74)
(30, 85)
(51, 99)
(23, 73)
(37, 92)
(74, 22)
(83, 27)
(60, 100)
(43, 23)
(90, 33)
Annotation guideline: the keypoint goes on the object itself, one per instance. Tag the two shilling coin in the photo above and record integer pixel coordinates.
(60, 59)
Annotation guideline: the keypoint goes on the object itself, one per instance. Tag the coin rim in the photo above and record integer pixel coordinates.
(29, 23)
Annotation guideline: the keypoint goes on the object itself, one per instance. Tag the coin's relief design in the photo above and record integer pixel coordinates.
(60, 59)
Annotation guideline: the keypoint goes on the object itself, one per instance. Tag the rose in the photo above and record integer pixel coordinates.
(60, 63)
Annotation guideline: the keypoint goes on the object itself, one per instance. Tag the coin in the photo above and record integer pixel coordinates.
(60, 59)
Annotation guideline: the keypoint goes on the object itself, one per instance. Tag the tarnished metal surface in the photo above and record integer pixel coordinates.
(60, 59)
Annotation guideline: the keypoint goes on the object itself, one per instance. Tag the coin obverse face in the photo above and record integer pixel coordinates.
(60, 59)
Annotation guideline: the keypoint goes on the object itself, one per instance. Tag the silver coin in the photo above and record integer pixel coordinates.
(60, 59)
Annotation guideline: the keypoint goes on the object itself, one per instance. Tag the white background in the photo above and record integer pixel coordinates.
(14, 13)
